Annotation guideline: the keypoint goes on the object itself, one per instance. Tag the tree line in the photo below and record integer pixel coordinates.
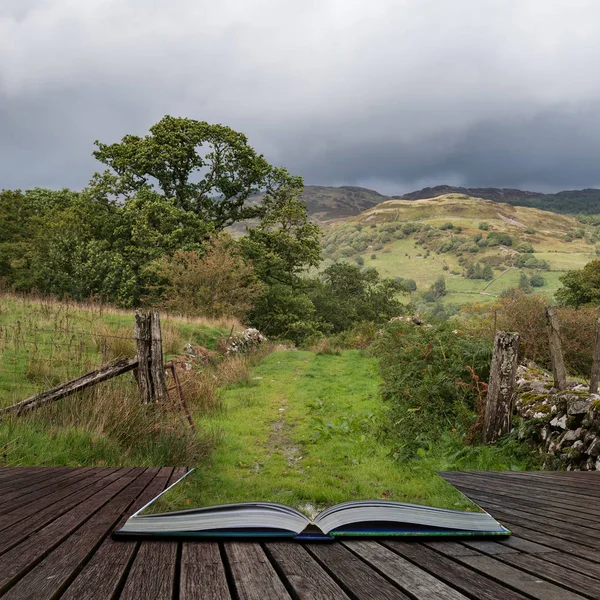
(151, 230)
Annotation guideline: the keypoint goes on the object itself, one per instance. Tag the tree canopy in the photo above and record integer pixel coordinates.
(581, 286)
(210, 170)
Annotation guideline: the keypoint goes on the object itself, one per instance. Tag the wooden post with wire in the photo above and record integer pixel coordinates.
(558, 365)
(150, 374)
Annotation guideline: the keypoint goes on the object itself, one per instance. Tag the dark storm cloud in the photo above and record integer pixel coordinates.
(393, 94)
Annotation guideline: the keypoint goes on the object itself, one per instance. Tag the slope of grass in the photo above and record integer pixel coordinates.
(406, 258)
(45, 342)
(304, 432)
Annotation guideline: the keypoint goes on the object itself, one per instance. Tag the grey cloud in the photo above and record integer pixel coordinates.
(394, 94)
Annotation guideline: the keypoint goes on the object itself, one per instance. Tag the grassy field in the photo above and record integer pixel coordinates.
(545, 231)
(45, 342)
(303, 430)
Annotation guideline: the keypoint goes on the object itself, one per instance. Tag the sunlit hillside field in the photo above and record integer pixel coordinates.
(381, 238)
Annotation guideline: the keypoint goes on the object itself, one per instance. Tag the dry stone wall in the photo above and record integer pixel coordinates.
(564, 425)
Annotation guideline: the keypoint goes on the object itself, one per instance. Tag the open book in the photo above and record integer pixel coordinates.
(348, 519)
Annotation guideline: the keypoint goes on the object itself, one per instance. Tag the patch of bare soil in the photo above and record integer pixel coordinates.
(279, 441)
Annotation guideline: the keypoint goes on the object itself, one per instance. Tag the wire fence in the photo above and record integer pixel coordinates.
(34, 358)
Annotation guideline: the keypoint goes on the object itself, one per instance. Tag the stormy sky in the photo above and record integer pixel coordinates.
(389, 94)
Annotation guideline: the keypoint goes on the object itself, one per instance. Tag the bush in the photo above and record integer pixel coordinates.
(373, 256)
(429, 382)
(537, 280)
(525, 247)
(447, 225)
(484, 226)
(499, 239)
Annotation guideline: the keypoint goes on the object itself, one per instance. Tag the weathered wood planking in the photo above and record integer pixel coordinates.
(56, 525)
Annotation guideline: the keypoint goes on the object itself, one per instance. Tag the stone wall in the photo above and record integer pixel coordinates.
(564, 425)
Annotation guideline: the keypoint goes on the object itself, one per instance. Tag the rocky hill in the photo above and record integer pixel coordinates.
(326, 203)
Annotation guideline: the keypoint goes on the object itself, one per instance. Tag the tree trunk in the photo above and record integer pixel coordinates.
(558, 365)
(499, 401)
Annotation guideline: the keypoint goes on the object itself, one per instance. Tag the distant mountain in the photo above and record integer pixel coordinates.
(585, 201)
(328, 203)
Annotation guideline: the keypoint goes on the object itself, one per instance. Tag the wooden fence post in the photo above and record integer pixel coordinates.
(595, 374)
(150, 372)
(503, 373)
(157, 367)
(558, 365)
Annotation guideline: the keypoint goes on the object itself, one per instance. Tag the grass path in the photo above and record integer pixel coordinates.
(304, 433)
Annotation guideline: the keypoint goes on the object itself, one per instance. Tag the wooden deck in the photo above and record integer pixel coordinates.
(55, 526)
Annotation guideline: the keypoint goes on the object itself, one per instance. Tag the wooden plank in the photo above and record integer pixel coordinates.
(574, 563)
(254, 577)
(554, 510)
(526, 546)
(26, 479)
(202, 573)
(411, 579)
(34, 501)
(554, 541)
(493, 548)
(114, 369)
(520, 580)
(8, 473)
(556, 481)
(29, 552)
(39, 515)
(542, 497)
(577, 582)
(54, 572)
(153, 568)
(358, 579)
(103, 575)
(555, 519)
(152, 576)
(576, 533)
(493, 484)
(30, 493)
(304, 575)
(459, 576)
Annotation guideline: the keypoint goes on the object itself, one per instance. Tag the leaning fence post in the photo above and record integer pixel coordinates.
(503, 373)
(558, 365)
(595, 374)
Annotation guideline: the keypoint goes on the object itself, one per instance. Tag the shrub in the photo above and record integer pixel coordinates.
(428, 381)
(373, 256)
(537, 280)
(484, 226)
(525, 247)
(447, 225)
(499, 239)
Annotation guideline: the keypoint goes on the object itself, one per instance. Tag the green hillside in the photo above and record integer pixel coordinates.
(458, 236)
